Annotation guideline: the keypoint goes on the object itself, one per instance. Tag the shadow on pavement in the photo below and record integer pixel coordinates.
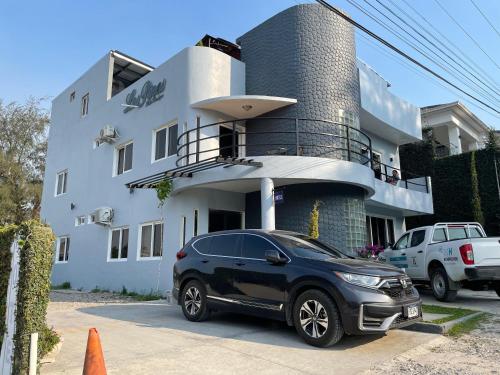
(220, 325)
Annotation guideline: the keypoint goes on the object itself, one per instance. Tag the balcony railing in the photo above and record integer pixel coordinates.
(262, 136)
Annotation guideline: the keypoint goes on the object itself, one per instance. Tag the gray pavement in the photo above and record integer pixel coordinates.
(487, 301)
(154, 338)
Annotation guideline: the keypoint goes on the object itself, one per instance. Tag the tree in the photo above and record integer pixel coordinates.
(23, 147)
(477, 212)
(492, 141)
(314, 221)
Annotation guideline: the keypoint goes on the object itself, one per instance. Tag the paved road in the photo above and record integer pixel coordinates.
(482, 301)
(154, 338)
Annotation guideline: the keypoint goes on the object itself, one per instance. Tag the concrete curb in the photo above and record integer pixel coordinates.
(440, 328)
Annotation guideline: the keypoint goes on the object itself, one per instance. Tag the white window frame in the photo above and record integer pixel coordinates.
(58, 243)
(117, 153)
(85, 105)
(196, 222)
(183, 231)
(90, 219)
(64, 183)
(139, 241)
(80, 220)
(72, 96)
(120, 242)
(167, 126)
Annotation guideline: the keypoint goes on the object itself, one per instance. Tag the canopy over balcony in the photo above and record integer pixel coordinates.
(244, 106)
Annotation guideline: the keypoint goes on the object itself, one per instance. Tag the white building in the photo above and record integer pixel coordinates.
(455, 128)
(295, 114)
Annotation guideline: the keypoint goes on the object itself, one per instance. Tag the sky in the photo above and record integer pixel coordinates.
(46, 45)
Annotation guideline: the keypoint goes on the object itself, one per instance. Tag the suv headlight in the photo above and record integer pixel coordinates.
(361, 280)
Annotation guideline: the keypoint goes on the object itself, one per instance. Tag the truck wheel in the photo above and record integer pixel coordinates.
(316, 319)
(440, 285)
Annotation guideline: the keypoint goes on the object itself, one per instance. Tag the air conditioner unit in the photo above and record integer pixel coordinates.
(107, 134)
(103, 215)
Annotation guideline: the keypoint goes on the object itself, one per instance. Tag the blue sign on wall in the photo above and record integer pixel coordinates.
(279, 196)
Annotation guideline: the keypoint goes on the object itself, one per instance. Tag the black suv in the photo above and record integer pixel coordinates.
(292, 277)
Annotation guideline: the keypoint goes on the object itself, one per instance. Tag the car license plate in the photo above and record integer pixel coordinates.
(412, 311)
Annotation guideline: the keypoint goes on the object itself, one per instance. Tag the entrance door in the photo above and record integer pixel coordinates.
(224, 220)
(226, 142)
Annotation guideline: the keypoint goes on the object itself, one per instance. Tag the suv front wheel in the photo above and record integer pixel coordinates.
(316, 319)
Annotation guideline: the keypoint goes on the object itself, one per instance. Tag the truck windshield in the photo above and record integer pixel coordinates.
(306, 247)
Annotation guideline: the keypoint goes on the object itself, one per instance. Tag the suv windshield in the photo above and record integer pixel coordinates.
(306, 247)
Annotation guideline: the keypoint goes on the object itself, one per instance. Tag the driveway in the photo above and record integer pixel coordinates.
(154, 338)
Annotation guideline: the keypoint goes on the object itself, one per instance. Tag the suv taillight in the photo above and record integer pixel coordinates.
(180, 254)
(467, 253)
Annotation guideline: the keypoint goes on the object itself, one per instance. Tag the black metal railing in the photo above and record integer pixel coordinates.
(273, 136)
(262, 136)
(397, 177)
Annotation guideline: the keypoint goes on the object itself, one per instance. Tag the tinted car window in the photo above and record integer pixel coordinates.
(403, 242)
(417, 238)
(255, 247)
(457, 233)
(475, 233)
(224, 245)
(305, 247)
(203, 245)
(439, 235)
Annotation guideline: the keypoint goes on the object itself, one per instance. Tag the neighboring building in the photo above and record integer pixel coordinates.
(455, 129)
(247, 143)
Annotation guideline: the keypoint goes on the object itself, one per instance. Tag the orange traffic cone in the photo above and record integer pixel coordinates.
(94, 359)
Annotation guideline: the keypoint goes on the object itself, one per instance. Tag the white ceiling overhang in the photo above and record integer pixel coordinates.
(244, 106)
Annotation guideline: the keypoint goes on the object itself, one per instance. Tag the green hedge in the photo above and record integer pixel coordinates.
(452, 186)
(35, 266)
(7, 235)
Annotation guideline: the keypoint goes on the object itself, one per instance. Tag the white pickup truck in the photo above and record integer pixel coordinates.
(448, 256)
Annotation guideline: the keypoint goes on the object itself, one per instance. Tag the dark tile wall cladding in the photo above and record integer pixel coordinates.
(308, 53)
(341, 219)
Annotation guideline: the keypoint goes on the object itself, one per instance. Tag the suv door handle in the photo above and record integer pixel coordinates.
(204, 261)
(240, 264)
(420, 251)
(403, 253)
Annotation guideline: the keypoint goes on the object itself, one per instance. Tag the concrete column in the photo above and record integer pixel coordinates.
(267, 203)
(454, 140)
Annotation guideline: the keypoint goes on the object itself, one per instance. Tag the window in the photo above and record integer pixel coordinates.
(195, 223)
(124, 158)
(255, 247)
(72, 96)
(474, 232)
(439, 235)
(379, 231)
(80, 220)
(203, 245)
(85, 105)
(165, 142)
(223, 245)
(151, 241)
(61, 182)
(62, 255)
(417, 238)
(306, 247)
(119, 244)
(91, 219)
(183, 231)
(457, 233)
(403, 242)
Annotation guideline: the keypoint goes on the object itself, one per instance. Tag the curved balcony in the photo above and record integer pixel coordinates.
(265, 136)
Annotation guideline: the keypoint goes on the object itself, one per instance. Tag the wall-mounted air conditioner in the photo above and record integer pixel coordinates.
(103, 215)
(108, 134)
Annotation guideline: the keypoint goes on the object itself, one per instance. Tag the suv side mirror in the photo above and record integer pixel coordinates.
(274, 257)
(389, 245)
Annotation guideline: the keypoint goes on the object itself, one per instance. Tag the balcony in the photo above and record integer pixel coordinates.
(289, 150)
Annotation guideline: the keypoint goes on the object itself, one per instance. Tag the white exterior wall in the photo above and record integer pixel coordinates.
(194, 74)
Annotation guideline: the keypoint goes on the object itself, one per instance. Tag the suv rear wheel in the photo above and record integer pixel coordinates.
(194, 301)
(316, 319)
(440, 285)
